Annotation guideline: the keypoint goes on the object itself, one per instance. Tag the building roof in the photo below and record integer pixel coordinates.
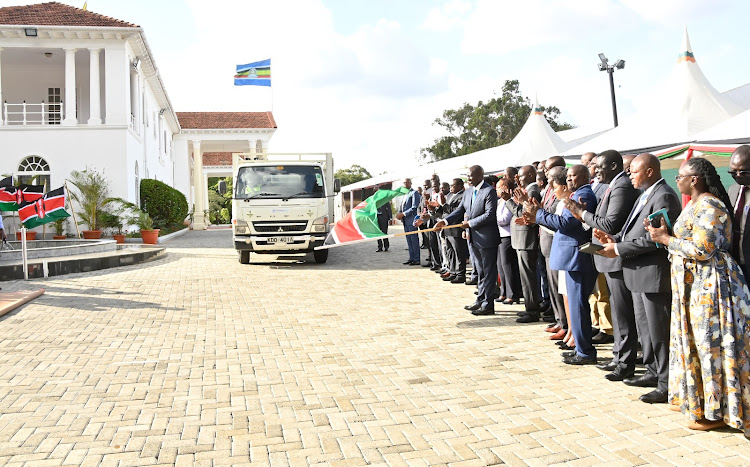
(225, 120)
(217, 158)
(57, 14)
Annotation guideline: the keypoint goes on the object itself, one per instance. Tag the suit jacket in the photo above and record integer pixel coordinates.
(481, 214)
(546, 238)
(599, 190)
(452, 203)
(569, 235)
(610, 216)
(737, 227)
(524, 237)
(385, 213)
(409, 206)
(645, 267)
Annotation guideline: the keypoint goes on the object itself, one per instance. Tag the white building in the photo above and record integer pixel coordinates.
(79, 90)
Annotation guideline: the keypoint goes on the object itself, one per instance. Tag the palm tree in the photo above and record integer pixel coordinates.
(92, 195)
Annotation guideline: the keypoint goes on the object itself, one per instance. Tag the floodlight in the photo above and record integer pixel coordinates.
(620, 64)
(603, 58)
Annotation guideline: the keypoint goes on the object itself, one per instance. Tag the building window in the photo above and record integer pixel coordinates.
(34, 170)
(54, 99)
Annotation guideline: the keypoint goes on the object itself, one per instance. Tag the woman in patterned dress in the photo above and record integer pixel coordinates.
(709, 372)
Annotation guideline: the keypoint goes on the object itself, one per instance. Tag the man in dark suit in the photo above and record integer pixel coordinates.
(739, 195)
(580, 275)
(455, 244)
(477, 212)
(525, 240)
(384, 215)
(610, 216)
(406, 214)
(646, 271)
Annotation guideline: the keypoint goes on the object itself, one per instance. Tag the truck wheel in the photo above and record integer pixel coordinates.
(321, 256)
(244, 257)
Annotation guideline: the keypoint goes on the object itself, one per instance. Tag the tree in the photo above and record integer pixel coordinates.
(351, 175)
(486, 125)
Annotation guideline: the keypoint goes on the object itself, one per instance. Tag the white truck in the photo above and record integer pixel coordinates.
(282, 203)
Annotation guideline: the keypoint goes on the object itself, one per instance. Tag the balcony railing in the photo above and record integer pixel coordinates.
(44, 113)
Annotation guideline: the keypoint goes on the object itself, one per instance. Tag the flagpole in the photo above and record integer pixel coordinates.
(73, 211)
(44, 226)
(401, 234)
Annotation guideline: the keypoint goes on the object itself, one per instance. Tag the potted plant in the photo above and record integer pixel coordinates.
(30, 235)
(113, 220)
(140, 218)
(59, 229)
(92, 197)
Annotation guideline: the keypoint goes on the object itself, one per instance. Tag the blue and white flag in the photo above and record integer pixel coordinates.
(254, 74)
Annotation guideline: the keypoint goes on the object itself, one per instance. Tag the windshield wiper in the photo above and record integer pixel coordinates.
(295, 195)
(260, 195)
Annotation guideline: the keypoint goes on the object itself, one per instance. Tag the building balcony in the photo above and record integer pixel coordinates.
(25, 113)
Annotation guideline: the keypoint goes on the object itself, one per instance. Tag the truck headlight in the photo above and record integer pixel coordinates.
(240, 226)
(320, 224)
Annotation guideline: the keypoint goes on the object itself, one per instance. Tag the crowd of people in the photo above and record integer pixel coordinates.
(604, 252)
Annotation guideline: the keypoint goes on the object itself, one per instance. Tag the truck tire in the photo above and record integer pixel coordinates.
(244, 257)
(321, 256)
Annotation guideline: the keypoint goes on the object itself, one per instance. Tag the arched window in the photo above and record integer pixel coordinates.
(137, 186)
(34, 170)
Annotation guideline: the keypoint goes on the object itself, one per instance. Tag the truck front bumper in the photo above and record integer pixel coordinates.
(265, 244)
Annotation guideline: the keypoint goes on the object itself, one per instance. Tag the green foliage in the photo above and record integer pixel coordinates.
(486, 125)
(60, 225)
(166, 206)
(112, 221)
(92, 196)
(351, 175)
(219, 206)
(133, 214)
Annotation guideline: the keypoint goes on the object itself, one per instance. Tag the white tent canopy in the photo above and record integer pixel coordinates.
(736, 128)
(691, 106)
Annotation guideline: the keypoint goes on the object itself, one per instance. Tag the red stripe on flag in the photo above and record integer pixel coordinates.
(346, 231)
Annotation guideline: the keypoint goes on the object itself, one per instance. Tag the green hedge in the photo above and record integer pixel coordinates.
(167, 206)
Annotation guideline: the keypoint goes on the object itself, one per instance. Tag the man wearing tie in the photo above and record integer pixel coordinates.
(406, 214)
(478, 213)
(646, 271)
(739, 194)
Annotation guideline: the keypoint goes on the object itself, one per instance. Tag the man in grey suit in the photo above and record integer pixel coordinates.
(739, 195)
(478, 213)
(458, 251)
(525, 240)
(646, 271)
(610, 216)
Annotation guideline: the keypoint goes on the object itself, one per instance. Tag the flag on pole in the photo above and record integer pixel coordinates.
(48, 208)
(11, 197)
(86, 5)
(254, 74)
(362, 221)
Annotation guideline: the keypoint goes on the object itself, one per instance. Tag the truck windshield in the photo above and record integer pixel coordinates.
(280, 181)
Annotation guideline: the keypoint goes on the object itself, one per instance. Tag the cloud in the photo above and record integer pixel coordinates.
(447, 16)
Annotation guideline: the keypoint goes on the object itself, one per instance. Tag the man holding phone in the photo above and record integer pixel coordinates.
(646, 272)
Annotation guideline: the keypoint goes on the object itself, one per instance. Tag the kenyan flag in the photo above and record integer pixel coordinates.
(11, 197)
(49, 208)
(362, 222)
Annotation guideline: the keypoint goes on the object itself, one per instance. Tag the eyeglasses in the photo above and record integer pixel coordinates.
(678, 177)
(739, 173)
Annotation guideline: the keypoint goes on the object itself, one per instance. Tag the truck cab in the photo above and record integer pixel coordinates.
(282, 204)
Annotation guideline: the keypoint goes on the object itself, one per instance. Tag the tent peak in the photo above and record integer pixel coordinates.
(537, 109)
(686, 52)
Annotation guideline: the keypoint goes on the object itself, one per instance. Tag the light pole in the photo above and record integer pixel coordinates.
(610, 69)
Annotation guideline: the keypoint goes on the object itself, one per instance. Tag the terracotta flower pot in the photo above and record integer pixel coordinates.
(150, 237)
(30, 235)
(59, 237)
(92, 234)
(119, 238)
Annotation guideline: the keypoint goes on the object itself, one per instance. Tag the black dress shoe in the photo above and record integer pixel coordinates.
(609, 366)
(483, 312)
(620, 374)
(407, 262)
(528, 318)
(568, 354)
(656, 396)
(602, 338)
(644, 381)
(566, 346)
(449, 278)
(378, 250)
(548, 318)
(458, 280)
(473, 307)
(471, 282)
(415, 263)
(428, 265)
(578, 360)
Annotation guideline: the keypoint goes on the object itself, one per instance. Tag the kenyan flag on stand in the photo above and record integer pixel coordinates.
(362, 222)
(11, 197)
(46, 209)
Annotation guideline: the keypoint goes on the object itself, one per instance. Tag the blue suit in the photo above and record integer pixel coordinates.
(409, 208)
(580, 274)
(480, 210)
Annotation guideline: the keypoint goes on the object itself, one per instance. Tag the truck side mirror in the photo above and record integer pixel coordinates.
(336, 185)
(222, 187)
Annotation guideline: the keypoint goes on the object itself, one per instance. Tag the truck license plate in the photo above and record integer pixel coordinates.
(280, 239)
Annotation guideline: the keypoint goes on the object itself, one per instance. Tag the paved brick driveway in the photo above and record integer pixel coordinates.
(196, 359)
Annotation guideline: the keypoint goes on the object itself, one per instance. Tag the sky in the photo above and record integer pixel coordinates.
(365, 80)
